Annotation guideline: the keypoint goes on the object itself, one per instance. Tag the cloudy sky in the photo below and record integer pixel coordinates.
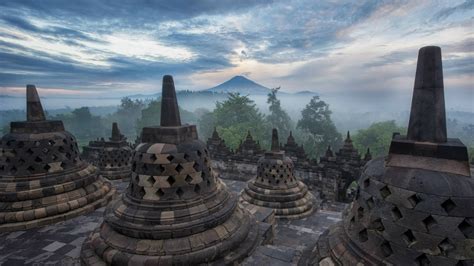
(333, 47)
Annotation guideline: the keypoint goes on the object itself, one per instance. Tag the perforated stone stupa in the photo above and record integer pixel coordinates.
(276, 187)
(415, 206)
(175, 210)
(112, 157)
(42, 178)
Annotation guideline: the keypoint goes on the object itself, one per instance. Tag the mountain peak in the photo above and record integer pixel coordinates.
(240, 84)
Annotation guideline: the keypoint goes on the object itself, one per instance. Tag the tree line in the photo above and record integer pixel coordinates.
(233, 117)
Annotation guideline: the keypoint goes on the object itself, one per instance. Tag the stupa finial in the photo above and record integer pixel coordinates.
(169, 105)
(427, 116)
(275, 142)
(34, 109)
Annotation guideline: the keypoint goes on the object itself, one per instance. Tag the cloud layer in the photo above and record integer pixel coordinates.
(124, 47)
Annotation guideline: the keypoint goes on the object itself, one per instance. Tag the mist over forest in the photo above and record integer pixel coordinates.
(371, 124)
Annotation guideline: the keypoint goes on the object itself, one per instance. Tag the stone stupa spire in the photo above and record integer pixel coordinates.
(40, 165)
(176, 211)
(276, 187)
(416, 205)
(34, 109)
(169, 104)
(427, 116)
(116, 136)
(275, 142)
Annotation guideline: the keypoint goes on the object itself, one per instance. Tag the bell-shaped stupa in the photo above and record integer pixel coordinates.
(415, 206)
(175, 210)
(276, 187)
(112, 157)
(42, 178)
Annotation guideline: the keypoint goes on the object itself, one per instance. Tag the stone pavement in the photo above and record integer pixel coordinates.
(60, 244)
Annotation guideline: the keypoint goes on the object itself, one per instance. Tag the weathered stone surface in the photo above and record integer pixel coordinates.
(42, 178)
(276, 187)
(175, 209)
(413, 207)
(331, 177)
(112, 157)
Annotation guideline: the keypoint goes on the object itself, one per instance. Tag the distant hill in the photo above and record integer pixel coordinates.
(241, 85)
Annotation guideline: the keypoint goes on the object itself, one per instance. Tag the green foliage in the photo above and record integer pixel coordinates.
(377, 137)
(278, 118)
(233, 117)
(318, 130)
(126, 116)
(82, 123)
(151, 116)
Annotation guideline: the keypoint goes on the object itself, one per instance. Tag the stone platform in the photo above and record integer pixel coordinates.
(60, 244)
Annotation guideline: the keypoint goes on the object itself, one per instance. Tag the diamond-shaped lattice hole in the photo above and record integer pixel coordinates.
(448, 205)
(199, 153)
(170, 157)
(196, 167)
(429, 222)
(171, 180)
(63, 164)
(385, 192)
(461, 263)
(13, 169)
(363, 236)
(422, 260)
(377, 225)
(409, 237)
(367, 182)
(47, 167)
(188, 179)
(30, 168)
(21, 161)
(60, 149)
(160, 192)
(386, 249)
(466, 228)
(151, 180)
(30, 151)
(370, 202)
(360, 213)
(186, 156)
(141, 192)
(197, 188)
(396, 213)
(38, 159)
(179, 168)
(153, 157)
(179, 192)
(414, 200)
(446, 245)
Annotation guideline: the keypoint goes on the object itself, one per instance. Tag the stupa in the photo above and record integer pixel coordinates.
(293, 150)
(112, 157)
(175, 210)
(249, 146)
(42, 178)
(217, 146)
(276, 187)
(415, 206)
